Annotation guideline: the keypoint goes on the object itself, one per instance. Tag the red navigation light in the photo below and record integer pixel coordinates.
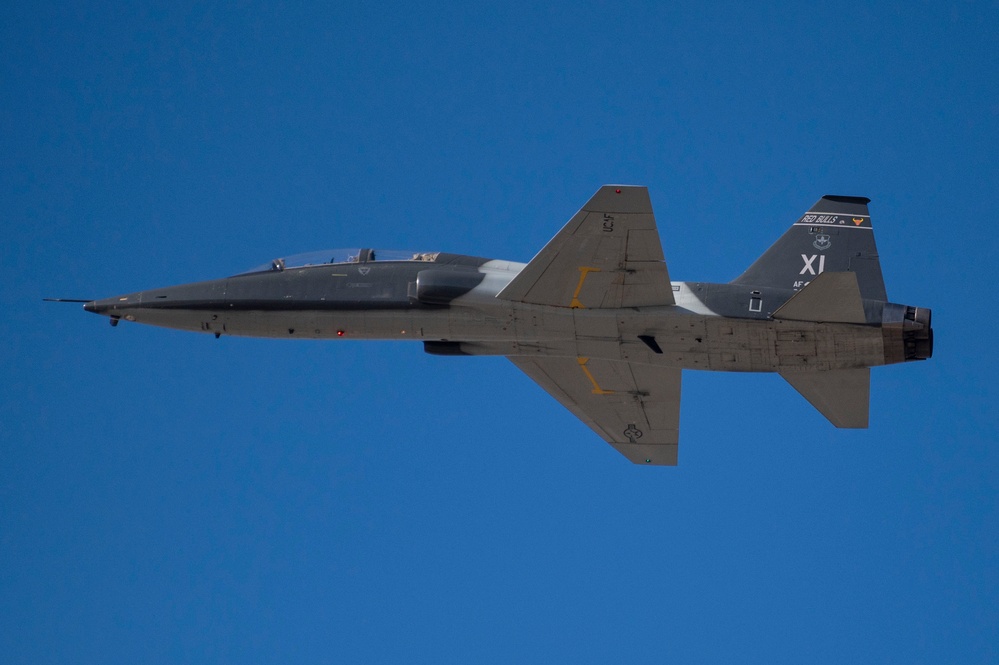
(339, 333)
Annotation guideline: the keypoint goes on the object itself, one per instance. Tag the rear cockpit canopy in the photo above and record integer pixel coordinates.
(341, 256)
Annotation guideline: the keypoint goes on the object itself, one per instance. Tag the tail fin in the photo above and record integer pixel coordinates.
(835, 235)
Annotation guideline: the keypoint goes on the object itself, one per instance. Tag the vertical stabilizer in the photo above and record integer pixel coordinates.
(835, 235)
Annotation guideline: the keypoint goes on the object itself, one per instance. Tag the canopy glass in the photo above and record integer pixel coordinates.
(335, 256)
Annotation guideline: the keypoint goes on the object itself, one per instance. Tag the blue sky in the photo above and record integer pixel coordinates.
(166, 497)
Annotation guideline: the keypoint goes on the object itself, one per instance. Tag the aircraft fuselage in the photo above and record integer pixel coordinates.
(594, 318)
(451, 306)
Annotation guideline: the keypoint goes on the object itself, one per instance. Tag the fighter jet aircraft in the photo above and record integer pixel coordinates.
(594, 317)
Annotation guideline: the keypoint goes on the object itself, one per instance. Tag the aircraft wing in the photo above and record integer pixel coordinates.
(635, 408)
(607, 256)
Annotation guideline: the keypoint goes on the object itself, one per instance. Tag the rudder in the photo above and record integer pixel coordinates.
(835, 235)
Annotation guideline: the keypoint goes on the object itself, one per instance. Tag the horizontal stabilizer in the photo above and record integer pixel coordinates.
(841, 395)
(832, 297)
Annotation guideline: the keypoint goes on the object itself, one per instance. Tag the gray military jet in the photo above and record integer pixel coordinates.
(594, 317)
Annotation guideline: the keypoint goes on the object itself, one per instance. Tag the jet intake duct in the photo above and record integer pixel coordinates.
(440, 287)
(908, 333)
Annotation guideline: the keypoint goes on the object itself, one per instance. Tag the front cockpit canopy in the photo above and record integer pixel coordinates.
(340, 256)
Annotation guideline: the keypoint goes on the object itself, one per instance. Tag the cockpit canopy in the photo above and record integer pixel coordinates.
(334, 256)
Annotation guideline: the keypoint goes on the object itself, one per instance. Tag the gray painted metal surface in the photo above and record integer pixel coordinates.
(594, 318)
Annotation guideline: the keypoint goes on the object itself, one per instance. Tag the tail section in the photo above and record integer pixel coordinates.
(832, 297)
(835, 235)
(842, 395)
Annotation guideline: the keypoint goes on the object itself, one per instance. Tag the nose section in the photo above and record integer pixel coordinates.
(112, 306)
(180, 306)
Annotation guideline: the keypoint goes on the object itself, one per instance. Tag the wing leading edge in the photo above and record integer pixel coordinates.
(607, 256)
(635, 408)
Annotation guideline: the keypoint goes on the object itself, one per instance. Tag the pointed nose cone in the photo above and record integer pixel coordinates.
(180, 306)
(104, 306)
